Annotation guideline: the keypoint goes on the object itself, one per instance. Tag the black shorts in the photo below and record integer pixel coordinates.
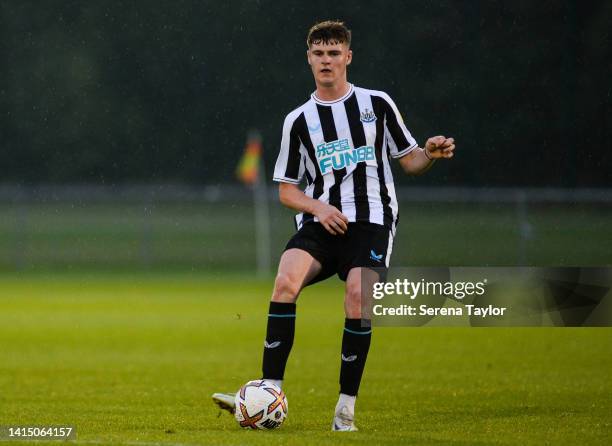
(363, 245)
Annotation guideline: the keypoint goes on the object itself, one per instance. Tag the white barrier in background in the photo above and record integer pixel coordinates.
(88, 193)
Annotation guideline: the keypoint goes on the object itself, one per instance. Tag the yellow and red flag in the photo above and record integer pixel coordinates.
(248, 167)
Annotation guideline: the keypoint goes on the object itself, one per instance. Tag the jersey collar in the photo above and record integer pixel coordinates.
(343, 98)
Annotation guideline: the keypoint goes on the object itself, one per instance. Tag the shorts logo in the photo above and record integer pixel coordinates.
(367, 116)
(272, 344)
(375, 257)
(349, 358)
(338, 155)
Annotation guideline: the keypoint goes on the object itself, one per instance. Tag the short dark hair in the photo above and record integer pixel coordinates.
(329, 32)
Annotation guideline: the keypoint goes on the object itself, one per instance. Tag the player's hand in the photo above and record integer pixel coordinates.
(334, 221)
(440, 147)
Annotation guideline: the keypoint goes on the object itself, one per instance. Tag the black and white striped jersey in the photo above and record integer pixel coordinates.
(342, 148)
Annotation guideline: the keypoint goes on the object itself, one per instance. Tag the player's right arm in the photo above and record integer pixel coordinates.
(288, 172)
(334, 221)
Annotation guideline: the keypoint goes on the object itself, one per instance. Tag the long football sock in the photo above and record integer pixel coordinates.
(346, 401)
(355, 346)
(279, 339)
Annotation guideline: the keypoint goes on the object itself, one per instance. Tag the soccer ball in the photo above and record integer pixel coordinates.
(260, 405)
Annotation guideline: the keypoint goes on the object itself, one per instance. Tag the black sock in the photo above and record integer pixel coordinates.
(279, 339)
(355, 346)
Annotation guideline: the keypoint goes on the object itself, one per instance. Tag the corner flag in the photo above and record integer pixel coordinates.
(248, 167)
(251, 171)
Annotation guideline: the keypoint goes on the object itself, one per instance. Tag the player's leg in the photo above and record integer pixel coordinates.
(368, 249)
(296, 269)
(355, 346)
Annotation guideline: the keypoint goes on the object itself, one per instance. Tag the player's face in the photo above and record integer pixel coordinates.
(328, 62)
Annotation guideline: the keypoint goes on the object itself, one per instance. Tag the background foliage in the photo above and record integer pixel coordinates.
(165, 91)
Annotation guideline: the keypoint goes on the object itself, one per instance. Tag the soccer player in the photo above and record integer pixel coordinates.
(340, 142)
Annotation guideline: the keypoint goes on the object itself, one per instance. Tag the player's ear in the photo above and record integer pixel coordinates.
(349, 57)
(308, 56)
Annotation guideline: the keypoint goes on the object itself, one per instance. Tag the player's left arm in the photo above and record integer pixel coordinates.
(419, 160)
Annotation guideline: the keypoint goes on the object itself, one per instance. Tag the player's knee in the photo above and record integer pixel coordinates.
(286, 288)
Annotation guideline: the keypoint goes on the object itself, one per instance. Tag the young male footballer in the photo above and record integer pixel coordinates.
(340, 142)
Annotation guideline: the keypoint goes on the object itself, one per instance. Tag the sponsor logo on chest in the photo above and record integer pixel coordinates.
(339, 154)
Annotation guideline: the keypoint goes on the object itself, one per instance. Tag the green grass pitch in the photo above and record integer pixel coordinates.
(133, 359)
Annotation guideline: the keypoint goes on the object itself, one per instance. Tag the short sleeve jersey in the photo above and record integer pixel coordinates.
(342, 150)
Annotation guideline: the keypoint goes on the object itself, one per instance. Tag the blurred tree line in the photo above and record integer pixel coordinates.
(165, 91)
